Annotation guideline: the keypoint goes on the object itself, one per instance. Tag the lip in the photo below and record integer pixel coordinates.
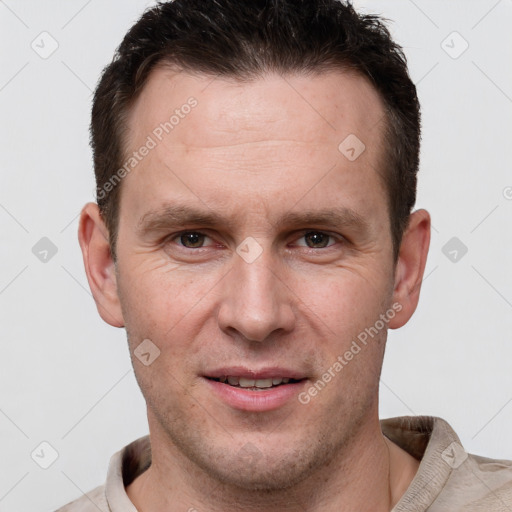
(263, 373)
(255, 401)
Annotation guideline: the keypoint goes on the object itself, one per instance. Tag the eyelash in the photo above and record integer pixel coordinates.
(337, 238)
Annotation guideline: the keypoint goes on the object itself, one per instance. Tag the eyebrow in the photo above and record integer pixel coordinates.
(172, 216)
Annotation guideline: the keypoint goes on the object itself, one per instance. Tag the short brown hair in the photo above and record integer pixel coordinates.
(245, 38)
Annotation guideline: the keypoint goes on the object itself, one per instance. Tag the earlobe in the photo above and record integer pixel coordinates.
(410, 267)
(99, 265)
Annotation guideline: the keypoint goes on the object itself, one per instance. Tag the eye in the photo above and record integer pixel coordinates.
(317, 240)
(191, 239)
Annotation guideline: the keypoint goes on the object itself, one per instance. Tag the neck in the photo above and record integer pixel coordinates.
(369, 475)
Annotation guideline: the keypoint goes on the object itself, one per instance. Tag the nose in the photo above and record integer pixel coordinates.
(256, 302)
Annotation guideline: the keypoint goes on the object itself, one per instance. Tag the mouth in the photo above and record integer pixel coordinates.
(254, 384)
(256, 390)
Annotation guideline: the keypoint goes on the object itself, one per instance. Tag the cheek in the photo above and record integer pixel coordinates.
(161, 305)
(162, 302)
(149, 288)
(347, 300)
(351, 347)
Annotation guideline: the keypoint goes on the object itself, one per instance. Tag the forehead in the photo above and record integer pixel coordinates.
(226, 142)
(316, 106)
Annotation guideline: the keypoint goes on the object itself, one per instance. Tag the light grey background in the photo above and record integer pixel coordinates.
(65, 376)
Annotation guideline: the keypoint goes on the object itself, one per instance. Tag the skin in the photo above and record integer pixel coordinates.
(255, 152)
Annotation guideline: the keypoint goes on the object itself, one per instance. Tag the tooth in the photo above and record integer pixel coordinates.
(246, 383)
(286, 380)
(223, 378)
(233, 380)
(263, 383)
(277, 380)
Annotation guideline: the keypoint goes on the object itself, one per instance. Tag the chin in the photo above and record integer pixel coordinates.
(269, 468)
(261, 476)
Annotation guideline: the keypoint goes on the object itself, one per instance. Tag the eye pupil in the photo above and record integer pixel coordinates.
(192, 239)
(317, 239)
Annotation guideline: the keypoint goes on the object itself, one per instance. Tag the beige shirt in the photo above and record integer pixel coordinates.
(448, 479)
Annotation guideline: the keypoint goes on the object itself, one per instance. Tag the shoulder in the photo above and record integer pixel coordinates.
(486, 483)
(448, 477)
(475, 483)
(125, 465)
(93, 501)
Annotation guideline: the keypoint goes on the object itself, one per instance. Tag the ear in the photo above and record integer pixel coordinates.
(99, 265)
(410, 267)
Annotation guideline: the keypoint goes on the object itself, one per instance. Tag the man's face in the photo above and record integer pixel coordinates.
(250, 246)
